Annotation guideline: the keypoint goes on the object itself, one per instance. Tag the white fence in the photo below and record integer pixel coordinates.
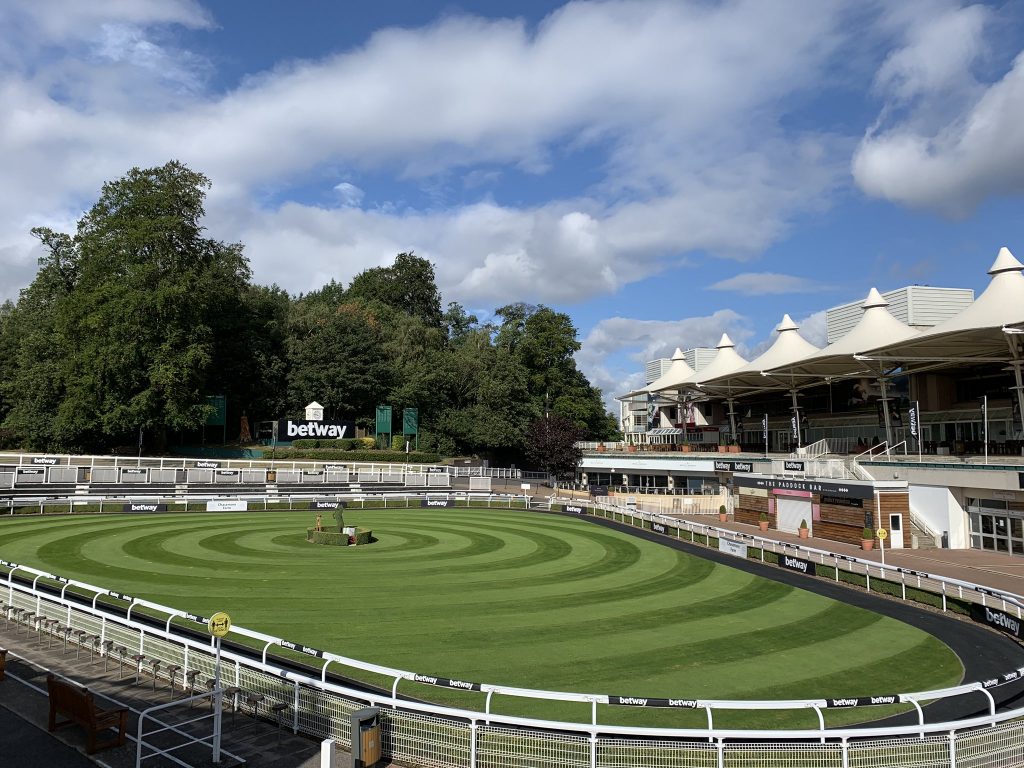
(442, 736)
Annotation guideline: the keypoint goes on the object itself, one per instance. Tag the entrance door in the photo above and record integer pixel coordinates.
(791, 511)
(896, 531)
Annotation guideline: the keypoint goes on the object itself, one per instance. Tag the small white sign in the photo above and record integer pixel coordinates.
(227, 505)
(525, 486)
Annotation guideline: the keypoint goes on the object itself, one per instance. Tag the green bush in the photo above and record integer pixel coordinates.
(868, 533)
(332, 538)
(763, 517)
(381, 457)
(345, 444)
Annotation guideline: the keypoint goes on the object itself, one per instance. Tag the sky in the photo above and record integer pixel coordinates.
(663, 172)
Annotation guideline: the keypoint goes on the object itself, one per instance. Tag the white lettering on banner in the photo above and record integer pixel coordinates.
(992, 683)
(844, 703)
(573, 508)
(230, 505)
(436, 503)
(632, 701)
(792, 562)
(43, 460)
(460, 684)
(658, 527)
(688, 703)
(316, 429)
(144, 507)
(883, 699)
(1002, 620)
(425, 679)
(207, 464)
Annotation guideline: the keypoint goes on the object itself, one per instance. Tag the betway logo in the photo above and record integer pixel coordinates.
(657, 527)
(44, 460)
(316, 429)
(325, 505)
(883, 699)
(723, 466)
(1002, 620)
(143, 507)
(634, 702)
(792, 562)
(742, 466)
(844, 703)
(207, 464)
(577, 510)
(795, 466)
(688, 703)
(425, 679)
(432, 503)
(460, 684)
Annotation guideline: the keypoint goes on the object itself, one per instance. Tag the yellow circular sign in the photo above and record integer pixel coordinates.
(882, 533)
(219, 624)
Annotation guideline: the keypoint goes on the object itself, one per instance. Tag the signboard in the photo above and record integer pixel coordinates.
(764, 428)
(730, 547)
(327, 504)
(841, 501)
(219, 416)
(790, 465)
(812, 486)
(141, 506)
(634, 701)
(410, 421)
(227, 505)
(882, 534)
(287, 429)
(383, 419)
(797, 564)
(437, 503)
(734, 466)
(574, 508)
(914, 417)
(1007, 622)
(602, 490)
(220, 624)
(207, 464)
(48, 461)
(525, 486)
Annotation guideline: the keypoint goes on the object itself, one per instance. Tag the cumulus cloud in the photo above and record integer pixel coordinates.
(945, 139)
(763, 283)
(348, 194)
(679, 102)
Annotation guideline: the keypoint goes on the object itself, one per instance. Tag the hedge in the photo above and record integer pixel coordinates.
(380, 457)
(334, 538)
(345, 444)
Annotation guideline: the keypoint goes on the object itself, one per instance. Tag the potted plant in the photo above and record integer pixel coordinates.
(762, 521)
(631, 448)
(601, 448)
(685, 447)
(867, 540)
(804, 530)
(734, 447)
(723, 515)
(723, 448)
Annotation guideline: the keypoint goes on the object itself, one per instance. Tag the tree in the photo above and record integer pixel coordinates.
(408, 285)
(134, 322)
(551, 444)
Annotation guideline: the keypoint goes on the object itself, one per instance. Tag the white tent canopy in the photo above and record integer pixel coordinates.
(789, 346)
(678, 372)
(724, 362)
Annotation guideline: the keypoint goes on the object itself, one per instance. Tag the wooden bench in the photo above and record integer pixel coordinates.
(77, 705)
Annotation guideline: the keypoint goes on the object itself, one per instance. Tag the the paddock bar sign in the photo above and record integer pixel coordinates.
(447, 682)
(327, 504)
(797, 564)
(141, 506)
(292, 430)
(811, 486)
(1006, 622)
(734, 466)
(634, 701)
(227, 505)
(574, 508)
(437, 503)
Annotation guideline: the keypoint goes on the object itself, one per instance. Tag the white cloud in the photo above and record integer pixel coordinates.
(681, 100)
(945, 140)
(763, 283)
(348, 194)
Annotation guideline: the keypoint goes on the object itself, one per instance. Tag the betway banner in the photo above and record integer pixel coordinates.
(1007, 622)
(437, 503)
(331, 430)
(327, 504)
(797, 564)
(862, 701)
(141, 506)
(574, 508)
(635, 701)
(447, 682)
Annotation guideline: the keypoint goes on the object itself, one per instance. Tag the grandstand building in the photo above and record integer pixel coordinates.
(908, 419)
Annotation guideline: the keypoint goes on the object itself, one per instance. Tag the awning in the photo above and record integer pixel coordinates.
(664, 431)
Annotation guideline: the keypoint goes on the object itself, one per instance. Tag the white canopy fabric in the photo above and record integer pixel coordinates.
(678, 372)
(837, 360)
(724, 362)
(789, 346)
(974, 335)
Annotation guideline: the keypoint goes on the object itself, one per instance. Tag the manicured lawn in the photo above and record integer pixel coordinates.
(515, 598)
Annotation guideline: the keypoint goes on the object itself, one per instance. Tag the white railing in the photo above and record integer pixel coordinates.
(812, 451)
(444, 736)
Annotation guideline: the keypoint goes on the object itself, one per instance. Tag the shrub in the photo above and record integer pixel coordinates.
(722, 510)
(333, 538)
(384, 457)
(868, 533)
(803, 523)
(763, 517)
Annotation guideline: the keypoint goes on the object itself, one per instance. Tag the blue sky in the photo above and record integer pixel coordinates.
(661, 171)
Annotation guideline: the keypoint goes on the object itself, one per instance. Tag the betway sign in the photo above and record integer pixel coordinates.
(297, 430)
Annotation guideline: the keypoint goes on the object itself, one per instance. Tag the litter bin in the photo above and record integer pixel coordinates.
(366, 746)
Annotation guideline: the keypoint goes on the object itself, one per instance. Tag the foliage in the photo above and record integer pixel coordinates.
(763, 517)
(868, 533)
(381, 457)
(136, 317)
(803, 523)
(551, 444)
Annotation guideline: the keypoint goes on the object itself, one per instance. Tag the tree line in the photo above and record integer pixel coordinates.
(133, 320)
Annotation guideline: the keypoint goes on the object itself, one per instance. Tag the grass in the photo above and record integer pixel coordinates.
(506, 597)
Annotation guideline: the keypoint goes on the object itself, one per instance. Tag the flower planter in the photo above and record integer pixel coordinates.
(804, 532)
(685, 448)
(763, 525)
(631, 448)
(867, 544)
(723, 518)
(723, 449)
(601, 449)
(734, 449)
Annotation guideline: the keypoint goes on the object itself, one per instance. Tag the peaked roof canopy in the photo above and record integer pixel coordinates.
(789, 346)
(837, 359)
(678, 372)
(724, 362)
(974, 335)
